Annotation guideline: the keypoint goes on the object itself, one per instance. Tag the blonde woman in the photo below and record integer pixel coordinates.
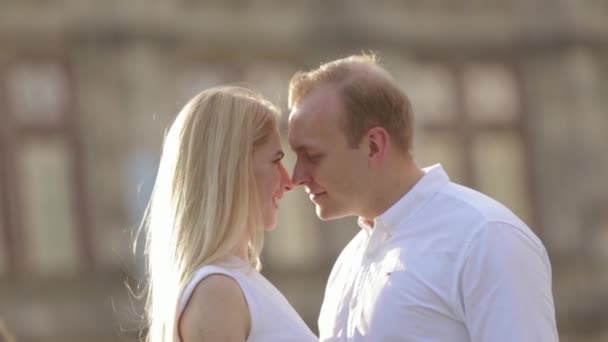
(219, 184)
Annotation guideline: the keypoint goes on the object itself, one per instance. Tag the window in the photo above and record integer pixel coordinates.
(4, 239)
(469, 118)
(42, 218)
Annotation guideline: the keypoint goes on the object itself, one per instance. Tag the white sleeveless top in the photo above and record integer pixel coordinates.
(273, 319)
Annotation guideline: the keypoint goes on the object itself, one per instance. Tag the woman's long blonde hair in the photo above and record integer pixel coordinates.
(204, 203)
(5, 335)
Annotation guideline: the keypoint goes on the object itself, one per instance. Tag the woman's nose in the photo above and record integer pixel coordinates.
(286, 180)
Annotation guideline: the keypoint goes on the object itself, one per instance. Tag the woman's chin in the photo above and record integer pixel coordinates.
(270, 224)
(270, 227)
(270, 218)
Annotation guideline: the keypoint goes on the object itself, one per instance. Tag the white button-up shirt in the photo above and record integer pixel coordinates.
(444, 263)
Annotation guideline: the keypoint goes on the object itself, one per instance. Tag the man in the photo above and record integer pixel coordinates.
(434, 261)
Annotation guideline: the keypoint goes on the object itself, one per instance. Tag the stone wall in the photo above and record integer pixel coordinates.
(133, 64)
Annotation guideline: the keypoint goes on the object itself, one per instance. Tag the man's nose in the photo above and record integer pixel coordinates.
(300, 176)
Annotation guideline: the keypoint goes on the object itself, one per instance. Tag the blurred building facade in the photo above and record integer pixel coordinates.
(510, 96)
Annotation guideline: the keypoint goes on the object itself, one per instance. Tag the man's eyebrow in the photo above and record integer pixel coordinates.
(280, 153)
(303, 147)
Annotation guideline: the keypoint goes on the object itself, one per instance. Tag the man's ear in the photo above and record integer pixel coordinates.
(378, 141)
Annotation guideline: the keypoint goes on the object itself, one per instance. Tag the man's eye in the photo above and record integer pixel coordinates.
(314, 157)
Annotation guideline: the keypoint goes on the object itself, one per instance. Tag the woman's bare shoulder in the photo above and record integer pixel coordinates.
(216, 311)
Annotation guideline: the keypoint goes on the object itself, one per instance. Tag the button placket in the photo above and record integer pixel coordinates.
(373, 272)
(357, 289)
(357, 309)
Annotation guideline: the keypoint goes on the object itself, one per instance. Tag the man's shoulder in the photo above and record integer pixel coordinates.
(351, 249)
(474, 205)
(487, 219)
(355, 243)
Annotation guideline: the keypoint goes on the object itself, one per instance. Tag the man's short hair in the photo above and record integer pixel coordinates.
(369, 95)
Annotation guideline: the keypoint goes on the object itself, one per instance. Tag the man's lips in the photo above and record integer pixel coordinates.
(315, 195)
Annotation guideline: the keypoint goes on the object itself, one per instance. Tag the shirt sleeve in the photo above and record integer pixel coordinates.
(506, 287)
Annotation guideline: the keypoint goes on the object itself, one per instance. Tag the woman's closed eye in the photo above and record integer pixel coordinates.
(278, 158)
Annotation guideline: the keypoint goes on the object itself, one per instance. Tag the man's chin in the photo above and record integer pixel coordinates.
(325, 214)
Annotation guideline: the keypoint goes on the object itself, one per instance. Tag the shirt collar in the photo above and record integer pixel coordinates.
(434, 178)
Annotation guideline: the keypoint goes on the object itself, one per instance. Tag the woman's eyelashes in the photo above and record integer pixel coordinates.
(279, 156)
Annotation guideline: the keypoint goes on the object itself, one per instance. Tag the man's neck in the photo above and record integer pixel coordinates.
(391, 189)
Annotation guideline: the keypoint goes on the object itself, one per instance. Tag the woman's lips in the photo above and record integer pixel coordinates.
(275, 202)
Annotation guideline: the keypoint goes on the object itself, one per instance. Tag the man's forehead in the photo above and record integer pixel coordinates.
(305, 145)
(302, 131)
(300, 118)
(304, 110)
(322, 96)
(294, 114)
(321, 105)
(315, 116)
(296, 134)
